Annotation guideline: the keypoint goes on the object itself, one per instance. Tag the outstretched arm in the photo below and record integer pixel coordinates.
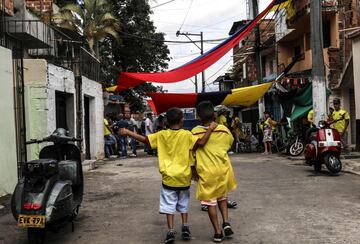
(206, 137)
(126, 132)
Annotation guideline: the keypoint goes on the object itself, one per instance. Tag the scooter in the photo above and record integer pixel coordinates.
(324, 148)
(50, 192)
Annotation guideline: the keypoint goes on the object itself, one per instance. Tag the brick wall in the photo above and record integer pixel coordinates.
(9, 7)
(40, 7)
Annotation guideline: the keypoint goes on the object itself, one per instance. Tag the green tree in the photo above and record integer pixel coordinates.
(93, 19)
(142, 48)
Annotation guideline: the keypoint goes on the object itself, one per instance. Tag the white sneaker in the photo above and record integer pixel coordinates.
(231, 152)
(132, 155)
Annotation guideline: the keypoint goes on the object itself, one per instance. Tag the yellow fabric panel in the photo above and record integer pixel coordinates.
(173, 148)
(343, 115)
(216, 175)
(246, 96)
(281, 5)
(111, 89)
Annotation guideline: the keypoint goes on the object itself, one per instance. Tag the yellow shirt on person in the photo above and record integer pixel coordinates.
(340, 115)
(236, 127)
(221, 120)
(106, 128)
(173, 148)
(310, 117)
(216, 175)
(271, 123)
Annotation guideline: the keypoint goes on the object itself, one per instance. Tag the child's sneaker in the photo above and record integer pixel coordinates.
(227, 229)
(185, 233)
(218, 237)
(170, 236)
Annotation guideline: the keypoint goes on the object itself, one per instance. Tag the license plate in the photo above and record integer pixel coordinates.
(34, 221)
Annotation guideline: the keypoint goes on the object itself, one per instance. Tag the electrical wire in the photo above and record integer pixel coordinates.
(162, 4)
(187, 13)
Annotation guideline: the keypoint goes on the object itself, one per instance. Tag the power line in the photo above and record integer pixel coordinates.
(170, 41)
(187, 13)
(162, 4)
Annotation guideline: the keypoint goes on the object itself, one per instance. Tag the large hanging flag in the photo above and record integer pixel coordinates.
(128, 80)
(246, 96)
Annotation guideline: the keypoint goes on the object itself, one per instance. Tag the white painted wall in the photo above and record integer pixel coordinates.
(8, 158)
(94, 91)
(42, 80)
(356, 63)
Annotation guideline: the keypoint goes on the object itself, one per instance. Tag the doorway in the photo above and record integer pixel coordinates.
(87, 127)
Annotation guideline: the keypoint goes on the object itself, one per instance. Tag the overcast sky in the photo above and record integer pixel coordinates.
(213, 17)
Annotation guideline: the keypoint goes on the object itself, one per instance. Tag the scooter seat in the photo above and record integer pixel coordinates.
(68, 170)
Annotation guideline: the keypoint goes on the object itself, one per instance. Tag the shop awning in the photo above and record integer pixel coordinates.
(245, 96)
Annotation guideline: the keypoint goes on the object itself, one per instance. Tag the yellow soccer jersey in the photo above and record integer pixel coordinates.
(173, 148)
(216, 175)
(340, 115)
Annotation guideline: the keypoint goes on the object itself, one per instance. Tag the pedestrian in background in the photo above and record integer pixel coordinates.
(174, 145)
(107, 138)
(268, 129)
(341, 122)
(149, 129)
(133, 127)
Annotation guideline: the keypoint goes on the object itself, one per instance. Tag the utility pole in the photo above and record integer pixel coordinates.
(187, 34)
(259, 74)
(318, 72)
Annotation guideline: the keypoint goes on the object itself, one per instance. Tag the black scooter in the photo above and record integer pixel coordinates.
(50, 192)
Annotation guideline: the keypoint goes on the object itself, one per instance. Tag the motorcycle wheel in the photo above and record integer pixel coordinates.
(333, 163)
(296, 149)
(317, 167)
(36, 235)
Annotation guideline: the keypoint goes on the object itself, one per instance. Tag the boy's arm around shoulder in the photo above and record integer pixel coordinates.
(206, 137)
(136, 136)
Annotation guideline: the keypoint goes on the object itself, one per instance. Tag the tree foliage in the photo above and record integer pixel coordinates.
(92, 19)
(141, 50)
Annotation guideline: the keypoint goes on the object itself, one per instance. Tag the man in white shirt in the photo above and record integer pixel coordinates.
(149, 129)
(149, 124)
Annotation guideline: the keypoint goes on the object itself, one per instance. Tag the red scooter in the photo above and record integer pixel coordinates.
(324, 148)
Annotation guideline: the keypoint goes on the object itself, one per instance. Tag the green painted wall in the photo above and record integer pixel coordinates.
(8, 158)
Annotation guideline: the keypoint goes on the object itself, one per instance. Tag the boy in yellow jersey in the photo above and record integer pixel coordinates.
(341, 122)
(174, 146)
(215, 174)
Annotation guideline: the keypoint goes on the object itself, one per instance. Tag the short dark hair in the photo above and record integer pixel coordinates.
(174, 116)
(336, 101)
(205, 111)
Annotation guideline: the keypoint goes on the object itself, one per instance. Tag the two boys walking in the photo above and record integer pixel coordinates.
(200, 154)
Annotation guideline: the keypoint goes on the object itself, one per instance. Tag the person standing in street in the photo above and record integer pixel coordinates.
(214, 172)
(107, 138)
(149, 129)
(341, 120)
(269, 126)
(133, 127)
(174, 146)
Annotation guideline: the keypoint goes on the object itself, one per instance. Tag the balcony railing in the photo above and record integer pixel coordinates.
(33, 33)
(89, 65)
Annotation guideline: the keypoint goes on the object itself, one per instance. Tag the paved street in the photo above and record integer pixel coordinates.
(280, 201)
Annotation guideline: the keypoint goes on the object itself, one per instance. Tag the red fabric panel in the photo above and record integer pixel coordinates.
(152, 106)
(163, 101)
(127, 80)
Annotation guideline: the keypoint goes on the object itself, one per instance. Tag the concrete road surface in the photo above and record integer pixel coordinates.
(280, 201)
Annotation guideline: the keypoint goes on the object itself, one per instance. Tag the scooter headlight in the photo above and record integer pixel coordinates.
(322, 124)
